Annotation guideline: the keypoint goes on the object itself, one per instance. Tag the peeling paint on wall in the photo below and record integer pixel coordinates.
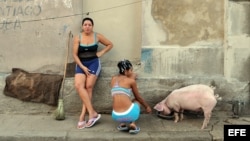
(152, 33)
(190, 21)
(239, 18)
(67, 3)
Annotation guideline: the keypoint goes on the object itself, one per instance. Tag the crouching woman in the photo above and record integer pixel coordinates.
(125, 110)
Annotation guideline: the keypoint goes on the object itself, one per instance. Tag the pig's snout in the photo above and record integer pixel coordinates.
(162, 108)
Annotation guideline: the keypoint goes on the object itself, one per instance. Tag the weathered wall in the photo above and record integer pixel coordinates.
(198, 39)
(237, 51)
(190, 40)
(171, 43)
(34, 34)
(188, 22)
(120, 21)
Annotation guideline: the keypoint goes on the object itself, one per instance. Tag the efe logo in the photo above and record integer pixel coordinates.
(240, 132)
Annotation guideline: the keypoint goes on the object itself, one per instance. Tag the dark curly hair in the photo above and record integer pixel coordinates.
(124, 65)
(88, 19)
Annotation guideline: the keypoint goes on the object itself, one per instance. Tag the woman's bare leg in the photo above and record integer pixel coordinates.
(89, 87)
(91, 80)
(80, 80)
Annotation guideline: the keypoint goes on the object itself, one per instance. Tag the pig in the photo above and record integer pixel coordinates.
(197, 97)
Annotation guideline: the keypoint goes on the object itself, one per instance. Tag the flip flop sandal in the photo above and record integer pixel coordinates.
(134, 131)
(122, 128)
(92, 121)
(81, 124)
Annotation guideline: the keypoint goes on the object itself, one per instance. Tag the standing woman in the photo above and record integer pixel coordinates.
(88, 67)
(125, 110)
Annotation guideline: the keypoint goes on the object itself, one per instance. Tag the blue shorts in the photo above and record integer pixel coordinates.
(93, 65)
(131, 115)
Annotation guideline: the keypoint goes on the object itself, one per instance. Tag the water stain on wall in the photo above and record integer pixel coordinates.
(189, 21)
(146, 57)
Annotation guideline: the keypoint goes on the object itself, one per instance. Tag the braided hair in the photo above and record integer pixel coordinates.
(124, 65)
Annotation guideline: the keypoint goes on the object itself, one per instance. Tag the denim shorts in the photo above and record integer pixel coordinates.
(93, 65)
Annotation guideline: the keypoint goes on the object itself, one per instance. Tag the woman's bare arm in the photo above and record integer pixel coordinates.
(138, 96)
(108, 45)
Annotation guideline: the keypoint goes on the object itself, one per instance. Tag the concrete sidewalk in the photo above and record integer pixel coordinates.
(153, 128)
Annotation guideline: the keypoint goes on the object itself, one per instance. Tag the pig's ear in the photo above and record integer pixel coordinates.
(158, 107)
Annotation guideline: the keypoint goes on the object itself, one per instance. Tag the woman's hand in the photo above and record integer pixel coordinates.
(133, 76)
(98, 54)
(148, 109)
(86, 70)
